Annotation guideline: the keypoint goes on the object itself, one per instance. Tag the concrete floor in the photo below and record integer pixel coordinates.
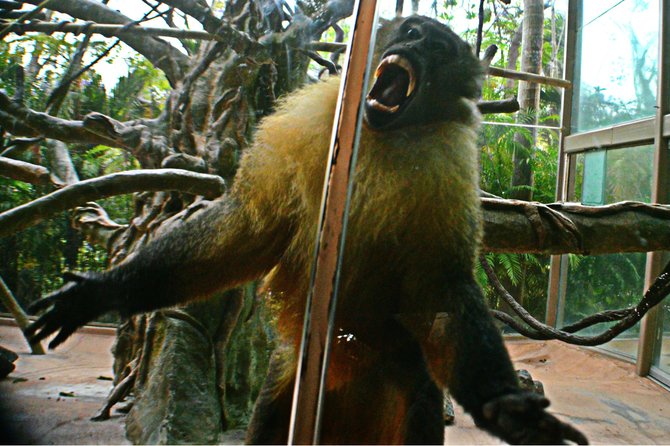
(49, 399)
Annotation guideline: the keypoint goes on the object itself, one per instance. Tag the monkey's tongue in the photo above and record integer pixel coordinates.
(391, 88)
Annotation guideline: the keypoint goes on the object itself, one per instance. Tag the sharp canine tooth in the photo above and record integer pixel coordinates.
(404, 64)
(381, 107)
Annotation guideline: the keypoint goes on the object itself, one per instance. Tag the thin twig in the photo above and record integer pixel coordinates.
(329, 65)
(25, 17)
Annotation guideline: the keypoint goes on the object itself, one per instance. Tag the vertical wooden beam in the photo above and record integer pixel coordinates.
(322, 299)
(556, 273)
(660, 188)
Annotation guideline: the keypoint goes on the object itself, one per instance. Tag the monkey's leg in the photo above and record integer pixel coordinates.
(269, 422)
(404, 361)
(480, 376)
(119, 392)
(389, 396)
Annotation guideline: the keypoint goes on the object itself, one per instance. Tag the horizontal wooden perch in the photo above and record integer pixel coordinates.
(560, 228)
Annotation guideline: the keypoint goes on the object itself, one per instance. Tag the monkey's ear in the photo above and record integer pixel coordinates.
(472, 88)
(472, 73)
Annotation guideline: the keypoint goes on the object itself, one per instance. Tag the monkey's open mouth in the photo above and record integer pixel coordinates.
(394, 83)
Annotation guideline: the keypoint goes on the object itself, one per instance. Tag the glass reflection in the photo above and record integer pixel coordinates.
(606, 282)
(616, 72)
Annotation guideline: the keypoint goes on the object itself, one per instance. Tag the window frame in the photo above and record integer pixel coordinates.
(654, 130)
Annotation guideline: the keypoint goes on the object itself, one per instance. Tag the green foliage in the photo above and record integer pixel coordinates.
(604, 282)
(526, 276)
(139, 94)
(32, 261)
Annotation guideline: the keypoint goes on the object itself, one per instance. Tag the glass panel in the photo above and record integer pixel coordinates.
(616, 71)
(597, 283)
(594, 178)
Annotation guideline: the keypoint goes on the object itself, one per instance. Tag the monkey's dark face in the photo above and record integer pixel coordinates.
(424, 72)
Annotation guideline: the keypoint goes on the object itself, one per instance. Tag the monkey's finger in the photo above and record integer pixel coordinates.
(39, 323)
(42, 304)
(65, 333)
(572, 434)
(71, 276)
(50, 324)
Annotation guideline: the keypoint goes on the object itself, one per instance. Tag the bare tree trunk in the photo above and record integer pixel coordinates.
(513, 55)
(529, 98)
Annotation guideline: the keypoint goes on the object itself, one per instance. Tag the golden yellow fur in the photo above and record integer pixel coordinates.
(414, 187)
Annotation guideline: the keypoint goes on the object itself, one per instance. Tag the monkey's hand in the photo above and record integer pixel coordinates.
(83, 298)
(520, 418)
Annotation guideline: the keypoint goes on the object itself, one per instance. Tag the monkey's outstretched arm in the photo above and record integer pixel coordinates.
(222, 246)
(481, 377)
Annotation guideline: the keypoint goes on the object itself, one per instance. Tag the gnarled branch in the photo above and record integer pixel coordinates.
(527, 227)
(22, 121)
(534, 329)
(199, 10)
(22, 171)
(135, 136)
(31, 213)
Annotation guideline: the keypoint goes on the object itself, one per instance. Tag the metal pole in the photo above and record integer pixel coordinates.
(557, 272)
(321, 302)
(660, 189)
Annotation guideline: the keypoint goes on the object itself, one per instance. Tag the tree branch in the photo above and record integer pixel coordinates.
(537, 330)
(510, 105)
(22, 121)
(199, 10)
(22, 171)
(63, 172)
(10, 4)
(529, 77)
(110, 30)
(25, 15)
(529, 227)
(31, 213)
(92, 221)
(136, 136)
(160, 53)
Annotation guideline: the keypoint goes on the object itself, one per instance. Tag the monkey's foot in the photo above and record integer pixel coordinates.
(520, 418)
(102, 415)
